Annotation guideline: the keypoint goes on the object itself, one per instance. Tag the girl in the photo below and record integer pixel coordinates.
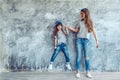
(60, 44)
(84, 29)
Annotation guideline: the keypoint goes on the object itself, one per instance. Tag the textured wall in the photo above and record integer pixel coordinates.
(26, 39)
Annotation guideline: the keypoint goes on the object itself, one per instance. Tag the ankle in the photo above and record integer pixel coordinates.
(87, 71)
(68, 63)
(77, 71)
(51, 62)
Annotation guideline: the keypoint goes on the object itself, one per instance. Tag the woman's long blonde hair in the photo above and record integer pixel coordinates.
(88, 21)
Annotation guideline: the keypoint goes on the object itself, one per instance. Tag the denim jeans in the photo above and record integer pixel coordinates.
(61, 47)
(82, 45)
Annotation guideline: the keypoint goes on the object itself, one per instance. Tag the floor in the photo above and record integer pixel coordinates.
(57, 76)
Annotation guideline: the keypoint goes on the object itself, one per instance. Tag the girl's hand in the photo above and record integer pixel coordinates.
(67, 31)
(97, 44)
(67, 27)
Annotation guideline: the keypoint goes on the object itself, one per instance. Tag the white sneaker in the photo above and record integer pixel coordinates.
(68, 66)
(78, 75)
(89, 75)
(50, 67)
(3, 70)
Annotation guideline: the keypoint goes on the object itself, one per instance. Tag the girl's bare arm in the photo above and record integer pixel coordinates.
(55, 42)
(67, 31)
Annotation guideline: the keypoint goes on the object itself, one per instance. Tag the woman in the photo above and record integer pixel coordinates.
(60, 44)
(83, 29)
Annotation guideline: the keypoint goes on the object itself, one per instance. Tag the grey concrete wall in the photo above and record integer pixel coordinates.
(26, 33)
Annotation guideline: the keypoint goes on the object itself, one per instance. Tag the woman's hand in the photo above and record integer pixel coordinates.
(97, 44)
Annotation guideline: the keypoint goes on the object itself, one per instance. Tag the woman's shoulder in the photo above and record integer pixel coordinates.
(78, 23)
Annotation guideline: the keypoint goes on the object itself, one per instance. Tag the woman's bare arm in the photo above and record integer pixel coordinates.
(95, 36)
(72, 29)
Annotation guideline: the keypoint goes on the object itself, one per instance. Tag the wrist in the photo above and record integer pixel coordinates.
(55, 47)
(68, 27)
(96, 40)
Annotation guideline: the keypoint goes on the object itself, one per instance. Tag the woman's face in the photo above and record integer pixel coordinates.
(82, 15)
(59, 27)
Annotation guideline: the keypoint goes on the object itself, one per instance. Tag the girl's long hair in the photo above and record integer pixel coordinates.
(88, 21)
(55, 32)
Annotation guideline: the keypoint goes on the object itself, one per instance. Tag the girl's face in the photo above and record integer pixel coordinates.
(82, 15)
(59, 27)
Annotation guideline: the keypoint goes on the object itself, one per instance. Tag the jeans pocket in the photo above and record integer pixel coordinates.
(87, 41)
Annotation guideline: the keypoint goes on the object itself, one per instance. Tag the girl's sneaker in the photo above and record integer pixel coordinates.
(78, 75)
(50, 67)
(68, 66)
(89, 75)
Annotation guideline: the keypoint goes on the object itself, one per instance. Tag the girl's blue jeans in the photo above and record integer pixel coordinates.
(61, 47)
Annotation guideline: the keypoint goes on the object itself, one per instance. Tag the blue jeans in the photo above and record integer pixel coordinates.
(64, 49)
(82, 46)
